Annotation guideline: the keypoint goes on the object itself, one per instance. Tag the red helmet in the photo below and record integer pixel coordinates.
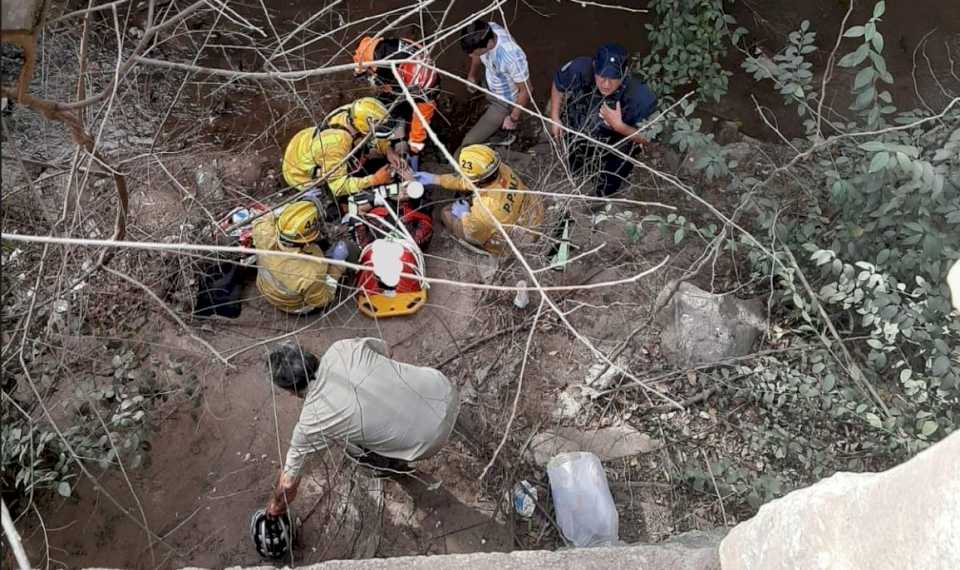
(418, 76)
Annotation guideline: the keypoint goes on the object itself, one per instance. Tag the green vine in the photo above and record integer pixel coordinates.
(688, 42)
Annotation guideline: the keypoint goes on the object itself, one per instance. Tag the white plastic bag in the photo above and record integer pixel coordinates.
(585, 510)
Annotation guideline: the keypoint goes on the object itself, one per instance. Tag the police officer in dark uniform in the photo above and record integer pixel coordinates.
(597, 97)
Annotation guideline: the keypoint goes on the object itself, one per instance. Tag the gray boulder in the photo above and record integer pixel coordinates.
(700, 327)
(906, 517)
(694, 550)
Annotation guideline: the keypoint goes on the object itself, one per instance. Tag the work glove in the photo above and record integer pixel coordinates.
(381, 177)
(414, 161)
(460, 209)
(425, 178)
(338, 251)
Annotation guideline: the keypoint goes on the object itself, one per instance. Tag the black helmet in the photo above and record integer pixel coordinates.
(272, 536)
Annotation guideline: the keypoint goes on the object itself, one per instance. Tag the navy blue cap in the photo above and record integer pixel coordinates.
(610, 61)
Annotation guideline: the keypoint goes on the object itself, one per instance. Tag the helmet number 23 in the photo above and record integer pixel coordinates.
(508, 205)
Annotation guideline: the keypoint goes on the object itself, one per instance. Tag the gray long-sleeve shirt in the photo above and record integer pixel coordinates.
(363, 399)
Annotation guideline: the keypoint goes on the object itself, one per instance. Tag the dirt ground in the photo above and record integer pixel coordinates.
(214, 456)
(212, 462)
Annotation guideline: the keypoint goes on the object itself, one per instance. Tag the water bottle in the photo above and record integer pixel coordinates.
(582, 500)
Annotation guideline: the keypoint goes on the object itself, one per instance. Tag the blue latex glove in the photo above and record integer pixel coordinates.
(425, 178)
(313, 193)
(414, 161)
(460, 209)
(339, 251)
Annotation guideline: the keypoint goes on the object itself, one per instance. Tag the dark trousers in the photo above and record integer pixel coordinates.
(382, 466)
(588, 160)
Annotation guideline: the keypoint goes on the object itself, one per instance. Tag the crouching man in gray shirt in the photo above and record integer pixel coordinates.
(385, 413)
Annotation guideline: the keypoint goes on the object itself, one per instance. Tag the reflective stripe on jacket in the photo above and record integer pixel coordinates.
(315, 151)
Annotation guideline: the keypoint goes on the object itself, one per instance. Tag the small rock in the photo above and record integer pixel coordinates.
(600, 376)
(209, 182)
(246, 457)
(607, 443)
(743, 151)
(488, 268)
(568, 404)
(671, 160)
(522, 299)
(728, 132)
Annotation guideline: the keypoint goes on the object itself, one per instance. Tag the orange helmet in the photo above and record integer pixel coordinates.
(364, 53)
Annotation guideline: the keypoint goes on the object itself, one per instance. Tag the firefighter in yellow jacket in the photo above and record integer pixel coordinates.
(499, 190)
(321, 151)
(291, 284)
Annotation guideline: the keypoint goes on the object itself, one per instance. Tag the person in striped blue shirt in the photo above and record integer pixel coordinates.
(506, 76)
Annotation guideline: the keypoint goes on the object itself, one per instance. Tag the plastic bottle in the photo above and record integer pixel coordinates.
(240, 215)
(525, 498)
(585, 510)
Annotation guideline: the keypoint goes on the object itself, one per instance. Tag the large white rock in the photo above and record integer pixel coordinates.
(907, 517)
(953, 282)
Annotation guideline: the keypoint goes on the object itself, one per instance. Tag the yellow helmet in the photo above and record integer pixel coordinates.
(299, 222)
(366, 112)
(479, 162)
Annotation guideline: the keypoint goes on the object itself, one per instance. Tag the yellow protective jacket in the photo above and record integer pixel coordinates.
(290, 284)
(315, 151)
(510, 208)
